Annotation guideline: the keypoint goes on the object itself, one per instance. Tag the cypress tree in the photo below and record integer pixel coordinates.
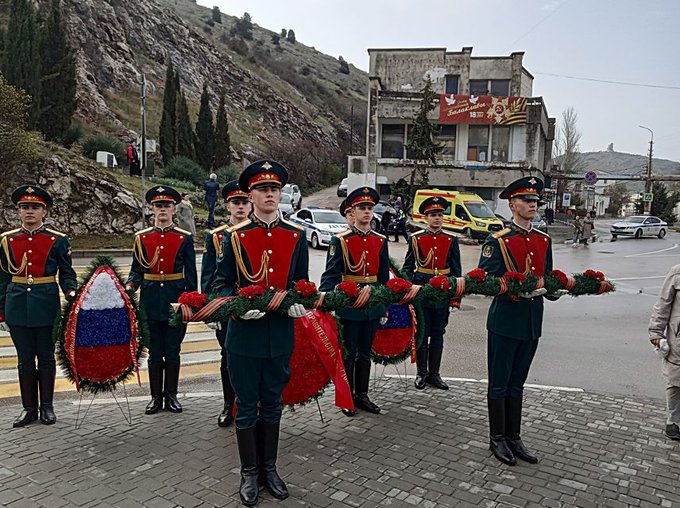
(205, 132)
(58, 83)
(185, 135)
(222, 141)
(166, 136)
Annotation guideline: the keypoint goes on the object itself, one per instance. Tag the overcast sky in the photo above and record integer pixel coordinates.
(636, 41)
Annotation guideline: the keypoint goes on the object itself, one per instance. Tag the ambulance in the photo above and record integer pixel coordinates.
(467, 213)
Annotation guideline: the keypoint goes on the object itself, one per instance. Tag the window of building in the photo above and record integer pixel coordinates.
(478, 143)
(499, 87)
(500, 143)
(446, 139)
(393, 141)
(452, 83)
(479, 87)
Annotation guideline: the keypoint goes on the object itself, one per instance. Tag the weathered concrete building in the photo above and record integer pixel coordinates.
(491, 130)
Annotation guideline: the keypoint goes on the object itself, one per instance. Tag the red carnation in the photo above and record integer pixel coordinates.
(398, 285)
(350, 288)
(440, 282)
(561, 277)
(251, 292)
(305, 288)
(515, 276)
(193, 299)
(594, 274)
(478, 274)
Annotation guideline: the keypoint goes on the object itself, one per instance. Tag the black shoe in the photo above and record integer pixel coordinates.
(47, 416)
(172, 404)
(520, 451)
(170, 391)
(247, 450)
(225, 418)
(349, 412)
(28, 384)
(672, 432)
(499, 447)
(363, 402)
(437, 381)
(268, 445)
(434, 361)
(154, 406)
(27, 416)
(156, 386)
(421, 380)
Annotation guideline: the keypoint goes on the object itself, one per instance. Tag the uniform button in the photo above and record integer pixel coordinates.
(161, 284)
(269, 251)
(162, 247)
(162, 272)
(533, 268)
(30, 238)
(368, 264)
(528, 240)
(294, 235)
(28, 289)
(365, 240)
(435, 258)
(243, 235)
(435, 247)
(143, 236)
(271, 270)
(51, 238)
(506, 240)
(30, 252)
(162, 236)
(531, 253)
(271, 287)
(269, 234)
(30, 264)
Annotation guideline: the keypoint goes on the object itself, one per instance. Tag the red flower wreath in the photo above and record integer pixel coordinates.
(515, 276)
(193, 299)
(305, 288)
(478, 274)
(440, 282)
(398, 285)
(594, 274)
(350, 288)
(251, 292)
(561, 277)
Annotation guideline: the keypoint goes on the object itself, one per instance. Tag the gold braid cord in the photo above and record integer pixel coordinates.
(141, 258)
(255, 278)
(12, 269)
(352, 268)
(509, 264)
(423, 263)
(218, 244)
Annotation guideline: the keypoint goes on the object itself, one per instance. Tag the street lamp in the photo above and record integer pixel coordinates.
(648, 181)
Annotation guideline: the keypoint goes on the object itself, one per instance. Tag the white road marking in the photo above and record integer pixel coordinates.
(640, 278)
(675, 246)
(486, 381)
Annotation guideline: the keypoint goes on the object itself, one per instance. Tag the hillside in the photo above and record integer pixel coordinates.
(619, 163)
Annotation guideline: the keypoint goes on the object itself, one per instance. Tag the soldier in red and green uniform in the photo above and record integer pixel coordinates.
(32, 259)
(514, 323)
(271, 253)
(432, 252)
(238, 207)
(359, 254)
(163, 267)
(347, 212)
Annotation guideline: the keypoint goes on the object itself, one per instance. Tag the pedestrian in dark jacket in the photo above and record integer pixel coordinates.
(212, 189)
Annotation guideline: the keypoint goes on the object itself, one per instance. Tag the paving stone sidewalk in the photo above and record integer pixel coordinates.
(426, 449)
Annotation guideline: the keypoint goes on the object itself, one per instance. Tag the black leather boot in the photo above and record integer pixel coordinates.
(349, 370)
(513, 423)
(28, 384)
(225, 418)
(434, 358)
(497, 444)
(362, 376)
(247, 451)
(268, 446)
(156, 385)
(46, 379)
(170, 392)
(421, 364)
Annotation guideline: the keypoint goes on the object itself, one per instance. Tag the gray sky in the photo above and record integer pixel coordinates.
(633, 41)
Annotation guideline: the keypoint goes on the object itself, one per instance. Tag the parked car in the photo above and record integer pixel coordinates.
(378, 211)
(538, 222)
(320, 224)
(638, 226)
(295, 194)
(342, 188)
(286, 205)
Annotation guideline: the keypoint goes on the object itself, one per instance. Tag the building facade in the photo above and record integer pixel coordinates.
(490, 129)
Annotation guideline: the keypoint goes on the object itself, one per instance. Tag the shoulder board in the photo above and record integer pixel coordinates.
(418, 233)
(144, 231)
(378, 234)
(501, 233)
(294, 225)
(224, 227)
(540, 232)
(55, 232)
(343, 233)
(7, 233)
(183, 231)
(448, 233)
(240, 225)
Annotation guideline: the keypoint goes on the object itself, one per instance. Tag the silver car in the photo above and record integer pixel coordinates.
(320, 224)
(638, 226)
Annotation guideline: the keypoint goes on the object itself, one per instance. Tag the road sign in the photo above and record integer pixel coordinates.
(648, 196)
(566, 199)
(590, 177)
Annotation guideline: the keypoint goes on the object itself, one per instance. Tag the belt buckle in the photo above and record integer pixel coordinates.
(29, 280)
(162, 277)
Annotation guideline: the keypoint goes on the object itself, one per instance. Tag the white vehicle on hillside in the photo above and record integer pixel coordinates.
(320, 224)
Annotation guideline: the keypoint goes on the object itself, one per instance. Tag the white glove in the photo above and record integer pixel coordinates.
(663, 348)
(383, 320)
(4, 327)
(297, 310)
(253, 314)
(453, 310)
(534, 293)
(559, 294)
(216, 325)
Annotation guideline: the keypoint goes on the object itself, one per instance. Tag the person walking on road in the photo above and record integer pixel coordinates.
(588, 225)
(211, 188)
(185, 215)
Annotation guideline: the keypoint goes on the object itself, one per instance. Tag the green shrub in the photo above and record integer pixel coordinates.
(101, 143)
(72, 135)
(227, 173)
(183, 168)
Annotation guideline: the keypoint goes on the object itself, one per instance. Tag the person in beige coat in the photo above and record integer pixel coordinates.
(664, 331)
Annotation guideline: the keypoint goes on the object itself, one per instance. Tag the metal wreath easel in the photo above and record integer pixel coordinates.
(128, 416)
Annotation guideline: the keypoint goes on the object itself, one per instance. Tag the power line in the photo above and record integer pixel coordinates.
(538, 23)
(612, 82)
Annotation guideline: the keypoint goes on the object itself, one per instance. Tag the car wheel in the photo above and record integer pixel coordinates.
(315, 241)
(375, 225)
(613, 237)
(638, 233)
(662, 233)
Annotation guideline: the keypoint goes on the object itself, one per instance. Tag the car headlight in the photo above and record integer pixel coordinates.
(480, 224)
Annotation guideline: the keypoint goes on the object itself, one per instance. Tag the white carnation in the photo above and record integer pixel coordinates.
(103, 294)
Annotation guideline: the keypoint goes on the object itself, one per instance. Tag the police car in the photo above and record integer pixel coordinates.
(320, 224)
(639, 226)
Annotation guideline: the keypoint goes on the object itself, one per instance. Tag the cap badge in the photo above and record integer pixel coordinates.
(532, 181)
(266, 165)
(365, 191)
(30, 190)
(160, 189)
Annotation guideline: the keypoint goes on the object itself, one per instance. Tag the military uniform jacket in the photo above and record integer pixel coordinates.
(362, 258)
(163, 266)
(430, 254)
(273, 256)
(213, 250)
(29, 263)
(519, 250)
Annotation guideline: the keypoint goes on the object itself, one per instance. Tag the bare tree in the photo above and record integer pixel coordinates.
(566, 150)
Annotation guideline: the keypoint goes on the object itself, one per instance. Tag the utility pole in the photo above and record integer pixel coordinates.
(351, 129)
(648, 180)
(143, 158)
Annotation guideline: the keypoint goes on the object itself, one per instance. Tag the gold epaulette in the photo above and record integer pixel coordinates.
(534, 230)
(183, 231)
(7, 233)
(418, 233)
(378, 234)
(239, 225)
(219, 229)
(501, 233)
(343, 233)
(292, 224)
(445, 232)
(147, 230)
(55, 232)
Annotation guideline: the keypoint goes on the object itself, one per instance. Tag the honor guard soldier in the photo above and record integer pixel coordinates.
(347, 212)
(432, 252)
(238, 207)
(514, 323)
(359, 254)
(30, 259)
(269, 252)
(163, 266)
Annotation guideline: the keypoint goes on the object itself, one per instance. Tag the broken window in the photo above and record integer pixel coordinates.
(393, 141)
(446, 139)
(478, 143)
(500, 143)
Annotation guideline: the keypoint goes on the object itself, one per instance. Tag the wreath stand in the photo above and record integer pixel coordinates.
(379, 380)
(80, 420)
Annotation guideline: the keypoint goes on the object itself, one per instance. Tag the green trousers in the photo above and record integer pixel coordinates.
(508, 361)
(165, 342)
(32, 343)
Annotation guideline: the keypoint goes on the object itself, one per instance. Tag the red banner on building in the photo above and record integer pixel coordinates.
(482, 109)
